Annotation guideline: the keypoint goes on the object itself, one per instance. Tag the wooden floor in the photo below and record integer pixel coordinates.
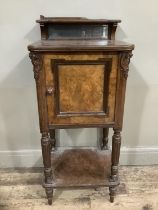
(21, 189)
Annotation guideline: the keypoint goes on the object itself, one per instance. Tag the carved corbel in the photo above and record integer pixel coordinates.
(36, 60)
(124, 63)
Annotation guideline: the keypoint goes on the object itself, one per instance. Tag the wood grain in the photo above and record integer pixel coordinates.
(92, 165)
(81, 88)
(80, 45)
(50, 81)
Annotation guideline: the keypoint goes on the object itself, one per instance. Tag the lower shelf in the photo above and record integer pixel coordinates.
(81, 168)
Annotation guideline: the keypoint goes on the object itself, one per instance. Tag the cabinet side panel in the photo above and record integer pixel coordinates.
(39, 75)
(123, 68)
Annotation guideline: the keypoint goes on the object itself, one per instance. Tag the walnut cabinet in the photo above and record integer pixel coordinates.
(80, 72)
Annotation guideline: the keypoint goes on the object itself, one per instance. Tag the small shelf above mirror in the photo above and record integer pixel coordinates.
(53, 28)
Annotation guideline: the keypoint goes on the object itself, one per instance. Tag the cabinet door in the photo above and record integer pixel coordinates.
(80, 89)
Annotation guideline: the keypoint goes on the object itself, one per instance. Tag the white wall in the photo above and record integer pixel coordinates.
(19, 133)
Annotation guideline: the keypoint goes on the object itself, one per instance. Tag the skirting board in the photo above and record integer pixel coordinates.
(32, 158)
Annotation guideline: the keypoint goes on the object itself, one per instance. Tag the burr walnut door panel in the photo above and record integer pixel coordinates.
(80, 89)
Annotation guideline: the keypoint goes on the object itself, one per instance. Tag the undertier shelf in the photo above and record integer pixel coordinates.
(81, 168)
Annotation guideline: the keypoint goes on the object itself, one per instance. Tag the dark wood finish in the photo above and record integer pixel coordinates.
(80, 83)
(80, 45)
(112, 190)
(124, 60)
(52, 139)
(44, 28)
(93, 166)
(95, 125)
(105, 139)
(47, 22)
(112, 30)
(46, 151)
(76, 20)
(37, 61)
(116, 143)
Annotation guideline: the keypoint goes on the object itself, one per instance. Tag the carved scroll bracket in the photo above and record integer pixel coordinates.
(124, 63)
(36, 60)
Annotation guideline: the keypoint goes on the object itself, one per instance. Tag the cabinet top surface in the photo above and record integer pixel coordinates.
(74, 20)
(80, 45)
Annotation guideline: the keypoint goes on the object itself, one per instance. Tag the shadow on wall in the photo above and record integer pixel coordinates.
(136, 94)
(120, 35)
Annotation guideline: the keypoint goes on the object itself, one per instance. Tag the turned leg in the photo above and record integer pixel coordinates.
(112, 193)
(49, 193)
(46, 152)
(104, 145)
(52, 139)
(116, 143)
